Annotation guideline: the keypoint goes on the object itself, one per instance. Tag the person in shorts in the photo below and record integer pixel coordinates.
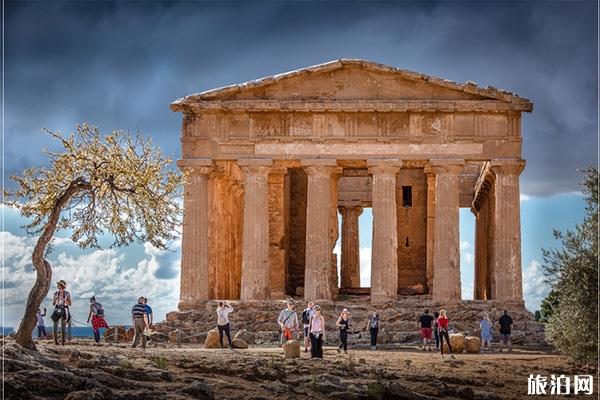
(505, 330)
(425, 322)
(307, 313)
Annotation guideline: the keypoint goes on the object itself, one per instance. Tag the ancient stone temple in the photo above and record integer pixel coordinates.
(274, 164)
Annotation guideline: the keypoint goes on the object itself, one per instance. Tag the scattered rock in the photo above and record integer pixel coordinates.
(472, 344)
(239, 344)
(291, 349)
(457, 341)
(212, 340)
(200, 390)
(244, 335)
(362, 361)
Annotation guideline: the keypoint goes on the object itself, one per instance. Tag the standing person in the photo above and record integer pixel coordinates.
(223, 311)
(97, 315)
(443, 322)
(343, 324)
(486, 332)
(307, 314)
(150, 316)
(61, 302)
(317, 333)
(425, 322)
(288, 322)
(139, 320)
(41, 325)
(436, 315)
(505, 330)
(373, 328)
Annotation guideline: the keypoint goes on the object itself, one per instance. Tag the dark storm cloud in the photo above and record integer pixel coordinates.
(119, 65)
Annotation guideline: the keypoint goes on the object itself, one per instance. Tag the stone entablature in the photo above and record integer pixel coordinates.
(272, 162)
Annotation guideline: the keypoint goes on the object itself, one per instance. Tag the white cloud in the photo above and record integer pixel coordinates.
(468, 257)
(467, 290)
(524, 197)
(107, 273)
(534, 288)
(464, 244)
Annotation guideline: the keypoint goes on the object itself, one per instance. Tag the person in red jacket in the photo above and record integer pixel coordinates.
(443, 322)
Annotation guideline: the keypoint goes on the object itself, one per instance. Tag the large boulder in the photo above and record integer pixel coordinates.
(212, 340)
(457, 341)
(244, 335)
(472, 344)
(291, 349)
(239, 344)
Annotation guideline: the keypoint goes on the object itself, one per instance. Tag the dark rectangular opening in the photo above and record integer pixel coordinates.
(406, 196)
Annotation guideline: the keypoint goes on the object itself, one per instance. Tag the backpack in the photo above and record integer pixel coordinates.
(306, 317)
(99, 309)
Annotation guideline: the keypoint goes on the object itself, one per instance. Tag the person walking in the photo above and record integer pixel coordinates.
(307, 314)
(343, 324)
(443, 323)
(61, 300)
(486, 332)
(139, 320)
(96, 314)
(425, 322)
(436, 334)
(288, 322)
(505, 322)
(41, 325)
(373, 328)
(223, 311)
(317, 333)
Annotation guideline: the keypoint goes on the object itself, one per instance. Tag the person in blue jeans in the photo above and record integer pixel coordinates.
(41, 325)
(373, 328)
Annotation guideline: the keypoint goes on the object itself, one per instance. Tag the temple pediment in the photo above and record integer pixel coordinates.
(348, 81)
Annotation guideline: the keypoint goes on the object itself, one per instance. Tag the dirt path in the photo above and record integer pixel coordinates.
(119, 372)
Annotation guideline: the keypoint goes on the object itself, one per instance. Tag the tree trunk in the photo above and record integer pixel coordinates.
(43, 269)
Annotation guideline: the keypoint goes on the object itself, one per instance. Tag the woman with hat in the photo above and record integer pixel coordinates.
(61, 302)
(97, 315)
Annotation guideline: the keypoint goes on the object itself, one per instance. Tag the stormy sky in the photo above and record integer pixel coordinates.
(119, 65)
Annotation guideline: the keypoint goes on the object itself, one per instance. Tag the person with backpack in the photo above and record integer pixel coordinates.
(97, 316)
(307, 314)
(288, 322)
(373, 328)
(61, 301)
(41, 326)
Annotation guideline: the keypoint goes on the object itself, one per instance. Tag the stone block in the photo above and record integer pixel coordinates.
(472, 344)
(291, 349)
(239, 344)
(457, 341)
(212, 340)
(244, 335)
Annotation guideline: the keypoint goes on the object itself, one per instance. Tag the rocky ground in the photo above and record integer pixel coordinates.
(80, 370)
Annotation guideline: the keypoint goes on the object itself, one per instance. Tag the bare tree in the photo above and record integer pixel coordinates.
(117, 184)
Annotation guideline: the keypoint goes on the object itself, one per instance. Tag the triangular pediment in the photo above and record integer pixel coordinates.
(350, 80)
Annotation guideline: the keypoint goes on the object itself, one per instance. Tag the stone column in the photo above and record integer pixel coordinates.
(317, 275)
(194, 238)
(350, 265)
(255, 239)
(446, 252)
(506, 225)
(277, 232)
(384, 258)
(430, 226)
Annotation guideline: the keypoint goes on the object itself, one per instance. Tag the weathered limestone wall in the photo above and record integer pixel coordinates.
(297, 231)
(412, 233)
(398, 319)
